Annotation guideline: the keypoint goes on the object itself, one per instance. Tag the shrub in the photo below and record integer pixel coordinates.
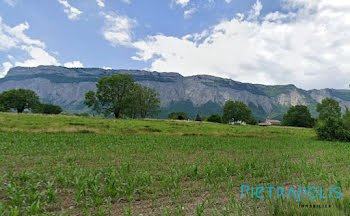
(178, 116)
(215, 118)
(252, 121)
(204, 118)
(48, 109)
(198, 118)
(332, 129)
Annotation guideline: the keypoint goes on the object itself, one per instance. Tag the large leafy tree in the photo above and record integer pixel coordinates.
(120, 95)
(19, 99)
(298, 116)
(113, 95)
(145, 102)
(236, 111)
(330, 125)
(329, 108)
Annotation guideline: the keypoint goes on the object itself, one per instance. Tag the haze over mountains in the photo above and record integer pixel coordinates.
(195, 94)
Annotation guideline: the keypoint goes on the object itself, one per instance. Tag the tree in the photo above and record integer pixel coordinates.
(91, 101)
(48, 109)
(236, 111)
(113, 95)
(298, 116)
(328, 108)
(19, 99)
(145, 102)
(121, 96)
(330, 125)
(178, 116)
(346, 119)
(198, 118)
(3, 108)
(215, 118)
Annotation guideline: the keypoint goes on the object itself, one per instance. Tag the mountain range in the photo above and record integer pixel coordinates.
(201, 94)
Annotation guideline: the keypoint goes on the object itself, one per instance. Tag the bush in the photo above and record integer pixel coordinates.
(252, 121)
(198, 118)
(332, 129)
(215, 118)
(48, 109)
(178, 116)
(204, 118)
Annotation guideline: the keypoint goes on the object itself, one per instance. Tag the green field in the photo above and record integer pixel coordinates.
(92, 166)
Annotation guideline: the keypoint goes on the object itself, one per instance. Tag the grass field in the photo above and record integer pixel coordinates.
(91, 166)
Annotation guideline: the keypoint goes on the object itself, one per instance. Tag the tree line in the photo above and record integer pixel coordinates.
(233, 112)
(120, 96)
(331, 124)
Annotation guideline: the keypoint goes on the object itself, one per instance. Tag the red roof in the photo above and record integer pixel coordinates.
(273, 121)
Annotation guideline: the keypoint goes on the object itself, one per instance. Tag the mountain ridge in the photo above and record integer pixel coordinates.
(67, 86)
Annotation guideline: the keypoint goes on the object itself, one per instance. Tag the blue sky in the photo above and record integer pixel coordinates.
(258, 41)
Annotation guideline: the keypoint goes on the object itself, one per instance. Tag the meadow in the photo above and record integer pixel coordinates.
(64, 165)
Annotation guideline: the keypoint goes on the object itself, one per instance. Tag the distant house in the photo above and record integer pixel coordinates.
(273, 122)
(270, 122)
(233, 122)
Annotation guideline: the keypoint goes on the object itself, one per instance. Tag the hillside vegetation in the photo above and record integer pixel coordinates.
(63, 165)
(200, 94)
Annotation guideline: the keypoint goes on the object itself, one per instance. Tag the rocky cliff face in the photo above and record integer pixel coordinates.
(203, 94)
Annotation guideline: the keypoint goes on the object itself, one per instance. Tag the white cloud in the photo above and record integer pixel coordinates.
(74, 64)
(107, 68)
(11, 37)
(182, 3)
(38, 56)
(188, 13)
(117, 29)
(100, 3)
(6, 66)
(72, 12)
(255, 12)
(14, 38)
(309, 45)
(228, 1)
